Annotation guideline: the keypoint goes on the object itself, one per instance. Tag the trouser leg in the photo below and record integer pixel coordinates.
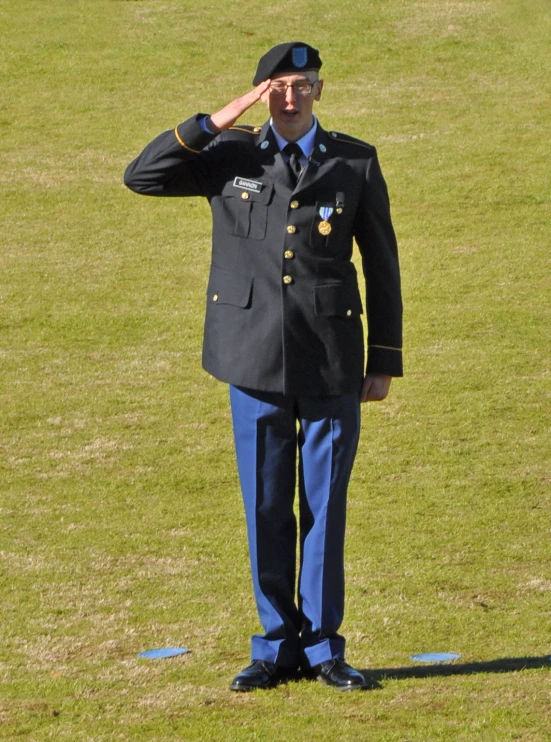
(265, 434)
(328, 439)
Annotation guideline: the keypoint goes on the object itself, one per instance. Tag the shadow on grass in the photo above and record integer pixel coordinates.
(508, 664)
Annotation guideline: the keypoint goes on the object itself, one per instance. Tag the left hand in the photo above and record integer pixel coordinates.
(375, 388)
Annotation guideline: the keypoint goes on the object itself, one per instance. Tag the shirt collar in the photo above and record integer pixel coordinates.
(306, 143)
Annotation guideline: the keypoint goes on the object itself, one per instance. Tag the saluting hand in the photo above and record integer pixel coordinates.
(375, 388)
(227, 116)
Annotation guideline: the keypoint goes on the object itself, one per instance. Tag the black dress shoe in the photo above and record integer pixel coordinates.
(259, 674)
(340, 675)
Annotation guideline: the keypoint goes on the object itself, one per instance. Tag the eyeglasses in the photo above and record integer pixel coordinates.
(299, 88)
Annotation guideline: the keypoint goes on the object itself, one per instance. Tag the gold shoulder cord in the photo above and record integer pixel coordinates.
(241, 128)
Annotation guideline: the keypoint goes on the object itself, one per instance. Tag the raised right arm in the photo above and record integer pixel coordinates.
(171, 166)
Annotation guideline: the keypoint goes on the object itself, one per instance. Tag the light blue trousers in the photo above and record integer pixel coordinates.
(271, 432)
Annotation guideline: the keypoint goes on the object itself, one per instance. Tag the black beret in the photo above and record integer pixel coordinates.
(294, 56)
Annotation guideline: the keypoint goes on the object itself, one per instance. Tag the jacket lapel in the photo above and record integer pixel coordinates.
(271, 159)
(276, 169)
(320, 161)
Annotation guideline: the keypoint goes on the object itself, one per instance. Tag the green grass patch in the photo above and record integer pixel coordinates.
(121, 521)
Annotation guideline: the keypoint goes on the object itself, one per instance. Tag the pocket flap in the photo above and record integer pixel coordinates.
(226, 287)
(337, 300)
(236, 189)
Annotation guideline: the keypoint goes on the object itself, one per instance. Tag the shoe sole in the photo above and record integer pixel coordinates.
(288, 677)
(243, 689)
(342, 687)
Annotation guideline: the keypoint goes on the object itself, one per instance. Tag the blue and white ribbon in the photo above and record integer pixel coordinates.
(325, 212)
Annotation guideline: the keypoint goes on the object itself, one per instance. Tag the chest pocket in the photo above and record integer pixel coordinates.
(245, 213)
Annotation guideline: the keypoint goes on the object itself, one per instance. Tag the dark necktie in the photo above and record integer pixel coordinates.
(295, 153)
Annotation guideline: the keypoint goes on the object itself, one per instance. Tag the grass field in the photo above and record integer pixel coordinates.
(121, 522)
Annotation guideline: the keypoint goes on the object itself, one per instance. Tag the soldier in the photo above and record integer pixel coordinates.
(283, 327)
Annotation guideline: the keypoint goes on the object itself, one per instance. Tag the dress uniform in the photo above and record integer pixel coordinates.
(283, 327)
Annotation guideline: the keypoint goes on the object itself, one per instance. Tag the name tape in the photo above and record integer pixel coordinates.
(248, 185)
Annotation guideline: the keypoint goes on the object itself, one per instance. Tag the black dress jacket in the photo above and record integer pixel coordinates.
(283, 305)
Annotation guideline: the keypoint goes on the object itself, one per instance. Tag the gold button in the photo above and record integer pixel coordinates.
(339, 210)
(349, 313)
(257, 129)
(215, 297)
(294, 204)
(245, 195)
(287, 279)
(291, 229)
(289, 254)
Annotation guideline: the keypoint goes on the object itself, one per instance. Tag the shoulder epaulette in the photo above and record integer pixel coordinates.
(247, 129)
(337, 136)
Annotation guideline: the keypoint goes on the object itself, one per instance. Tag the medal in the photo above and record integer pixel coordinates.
(324, 227)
